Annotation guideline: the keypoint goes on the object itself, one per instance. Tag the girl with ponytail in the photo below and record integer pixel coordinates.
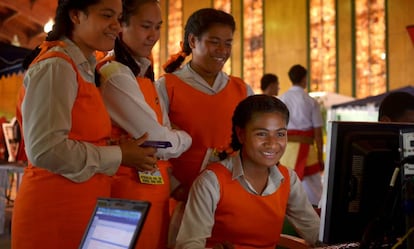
(127, 86)
(200, 97)
(250, 187)
(67, 129)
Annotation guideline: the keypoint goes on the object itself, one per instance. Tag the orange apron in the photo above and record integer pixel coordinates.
(51, 211)
(207, 118)
(259, 218)
(126, 182)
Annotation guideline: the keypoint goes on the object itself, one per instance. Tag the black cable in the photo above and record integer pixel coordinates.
(382, 231)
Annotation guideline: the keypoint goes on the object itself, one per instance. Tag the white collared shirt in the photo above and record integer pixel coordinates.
(198, 219)
(51, 90)
(304, 110)
(192, 78)
(128, 108)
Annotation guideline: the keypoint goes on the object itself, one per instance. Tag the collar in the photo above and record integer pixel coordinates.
(144, 64)
(297, 88)
(87, 64)
(238, 171)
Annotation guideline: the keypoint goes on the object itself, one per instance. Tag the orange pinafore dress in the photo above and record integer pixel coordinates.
(127, 183)
(262, 231)
(50, 210)
(207, 118)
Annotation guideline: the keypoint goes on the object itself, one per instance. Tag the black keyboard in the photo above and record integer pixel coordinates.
(350, 245)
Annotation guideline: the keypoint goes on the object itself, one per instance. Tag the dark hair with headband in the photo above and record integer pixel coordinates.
(197, 24)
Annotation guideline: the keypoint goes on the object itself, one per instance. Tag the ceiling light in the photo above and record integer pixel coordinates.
(49, 25)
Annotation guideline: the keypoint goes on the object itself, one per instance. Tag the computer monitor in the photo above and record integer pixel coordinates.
(358, 203)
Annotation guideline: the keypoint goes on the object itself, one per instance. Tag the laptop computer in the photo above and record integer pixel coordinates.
(115, 224)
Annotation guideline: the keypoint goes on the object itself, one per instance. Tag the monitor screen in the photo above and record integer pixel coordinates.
(115, 224)
(358, 204)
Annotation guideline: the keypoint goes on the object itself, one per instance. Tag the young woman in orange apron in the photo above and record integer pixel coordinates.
(66, 129)
(127, 86)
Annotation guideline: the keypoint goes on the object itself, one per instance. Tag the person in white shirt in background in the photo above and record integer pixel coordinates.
(269, 84)
(304, 152)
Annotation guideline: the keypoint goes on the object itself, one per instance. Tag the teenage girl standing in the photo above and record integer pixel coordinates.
(66, 129)
(132, 101)
(202, 91)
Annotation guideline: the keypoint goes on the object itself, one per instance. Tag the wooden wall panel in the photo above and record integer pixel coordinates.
(400, 46)
(344, 44)
(189, 6)
(237, 52)
(163, 41)
(285, 37)
(285, 42)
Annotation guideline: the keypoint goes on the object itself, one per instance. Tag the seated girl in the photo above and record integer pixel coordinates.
(241, 202)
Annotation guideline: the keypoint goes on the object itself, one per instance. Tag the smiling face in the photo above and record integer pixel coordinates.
(97, 28)
(264, 140)
(143, 30)
(211, 50)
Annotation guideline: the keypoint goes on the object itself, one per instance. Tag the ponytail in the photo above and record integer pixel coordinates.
(175, 60)
(51, 36)
(123, 56)
(150, 73)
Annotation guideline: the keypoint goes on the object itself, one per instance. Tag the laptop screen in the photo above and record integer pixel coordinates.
(115, 224)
